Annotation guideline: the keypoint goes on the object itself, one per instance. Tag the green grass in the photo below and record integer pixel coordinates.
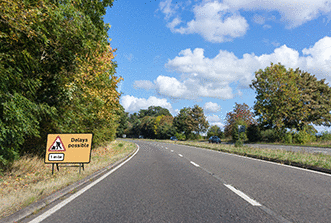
(303, 159)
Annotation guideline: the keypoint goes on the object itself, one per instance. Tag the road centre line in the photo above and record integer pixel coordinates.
(194, 164)
(242, 195)
(72, 197)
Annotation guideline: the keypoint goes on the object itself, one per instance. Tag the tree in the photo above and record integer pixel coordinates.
(154, 111)
(240, 114)
(191, 120)
(200, 123)
(163, 127)
(214, 130)
(290, 98)
(54, 79)
(184, 122)
(123, 121)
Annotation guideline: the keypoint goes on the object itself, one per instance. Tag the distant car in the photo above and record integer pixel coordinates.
(173, 138)
(214, 139)
(141, 137)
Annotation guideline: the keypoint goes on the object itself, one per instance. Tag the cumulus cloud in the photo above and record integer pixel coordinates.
(133, 104)
(215, 120)
(211, 107)
(214, 22)
(211, 77)
(220, 21)
(293, 13)
(144, 84)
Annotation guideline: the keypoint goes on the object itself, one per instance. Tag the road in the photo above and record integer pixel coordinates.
(177, 183)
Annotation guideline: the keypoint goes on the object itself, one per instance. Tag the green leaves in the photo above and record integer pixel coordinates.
(290, 98)
(191, 120)
(55, 79)
(241, 115)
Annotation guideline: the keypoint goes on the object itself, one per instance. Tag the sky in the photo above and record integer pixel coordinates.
(177, 54)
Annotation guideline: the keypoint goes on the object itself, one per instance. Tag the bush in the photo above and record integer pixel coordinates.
(326, 136)
(180, 136)
(238, 143)
(235, 133)
(253, 133)
(288, 138)
(269, 135)
(306, 135)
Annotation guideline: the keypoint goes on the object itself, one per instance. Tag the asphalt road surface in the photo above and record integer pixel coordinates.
(177, 183)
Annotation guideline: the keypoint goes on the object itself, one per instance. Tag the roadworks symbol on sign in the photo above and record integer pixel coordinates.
(57, 146)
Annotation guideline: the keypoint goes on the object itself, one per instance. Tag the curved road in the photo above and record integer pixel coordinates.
(177, 183)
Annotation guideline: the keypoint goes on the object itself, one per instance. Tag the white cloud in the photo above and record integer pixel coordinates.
(266, 26)
(133, 104)
(211, 77)
(214, 22)
(259, 19)
(211, 107)
(220, 21)
(167, 8)
(144, 84)
(213, 118)
(293, 13)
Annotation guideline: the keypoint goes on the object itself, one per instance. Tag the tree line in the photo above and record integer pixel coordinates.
(288, 103)
(158, 123)
(57, 74)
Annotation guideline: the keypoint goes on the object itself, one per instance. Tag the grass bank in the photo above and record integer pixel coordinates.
(30, 179)
(317, 161)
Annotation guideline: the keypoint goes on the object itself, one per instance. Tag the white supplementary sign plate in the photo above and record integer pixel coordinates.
(56, 157)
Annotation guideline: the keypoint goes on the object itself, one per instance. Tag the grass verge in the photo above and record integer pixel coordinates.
(316, 161)
(30, 179)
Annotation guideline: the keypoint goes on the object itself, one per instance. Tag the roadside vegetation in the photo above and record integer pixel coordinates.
(55, 80)
(288, 104)
(29, 179)
(303, 159)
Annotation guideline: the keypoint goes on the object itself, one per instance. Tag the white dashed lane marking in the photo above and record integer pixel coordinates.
(194, 164)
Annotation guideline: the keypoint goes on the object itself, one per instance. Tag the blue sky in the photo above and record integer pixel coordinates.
(177, 53)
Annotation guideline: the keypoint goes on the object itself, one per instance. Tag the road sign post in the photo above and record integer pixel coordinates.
(68, 149)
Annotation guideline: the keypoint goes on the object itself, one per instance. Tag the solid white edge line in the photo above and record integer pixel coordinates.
(180, 155)
(242, 195)
(194, 164)
(69, 199)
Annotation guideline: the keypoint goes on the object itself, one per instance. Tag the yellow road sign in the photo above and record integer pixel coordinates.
(68, 148)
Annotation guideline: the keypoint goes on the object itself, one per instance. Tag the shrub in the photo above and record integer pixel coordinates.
(180, 136)
(253, 133)
(269, 135)
(235, 133)
(238, 143)
(287, 138)
(307, 134)
(326, 136)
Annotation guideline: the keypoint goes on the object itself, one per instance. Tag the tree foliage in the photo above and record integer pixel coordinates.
(154, 122)
(154, 111)
(191, 120)
(54, 79)
(214, 130)
(241, 115)
(290, 98)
